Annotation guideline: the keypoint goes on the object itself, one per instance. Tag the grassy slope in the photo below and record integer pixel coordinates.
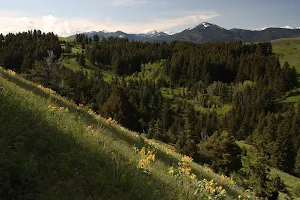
(65, 39)
(53, 155)
(57, 152)
(288, 50)
(72, 64)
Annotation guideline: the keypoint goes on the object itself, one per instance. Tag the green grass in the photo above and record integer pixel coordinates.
(72, 64)
(77, 49)
(54, 155)
(65, 39)
(289, 180)
(107, 76)
(288, 50)
(292, 99)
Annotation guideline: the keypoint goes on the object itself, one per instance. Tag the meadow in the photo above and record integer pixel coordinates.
(288, 49)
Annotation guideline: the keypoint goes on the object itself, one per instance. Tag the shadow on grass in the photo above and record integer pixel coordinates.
(42, 161)
(82, 113)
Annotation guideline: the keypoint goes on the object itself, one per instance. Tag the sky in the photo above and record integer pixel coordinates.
(67, 17)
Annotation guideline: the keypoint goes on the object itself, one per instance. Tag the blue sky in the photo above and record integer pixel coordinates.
(69, 16)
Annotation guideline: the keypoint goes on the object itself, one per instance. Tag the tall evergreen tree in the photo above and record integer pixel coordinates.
(96, 38)
(222, 152)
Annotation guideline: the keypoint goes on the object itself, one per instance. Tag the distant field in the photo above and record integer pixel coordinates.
(73, 65)
(65, 39)
(288, 50)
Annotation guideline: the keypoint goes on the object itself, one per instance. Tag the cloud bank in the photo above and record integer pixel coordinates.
(66, 27)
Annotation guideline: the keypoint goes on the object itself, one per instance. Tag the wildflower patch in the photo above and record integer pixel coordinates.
(147, 157)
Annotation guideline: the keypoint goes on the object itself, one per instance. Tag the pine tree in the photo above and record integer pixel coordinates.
(96, 38)
(222, 151)
(188, 118)
(256, 172)
(120, 109)
(82, 60)
(117, 64)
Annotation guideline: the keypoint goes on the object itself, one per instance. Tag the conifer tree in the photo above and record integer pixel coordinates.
(96, 38)
(222, 151)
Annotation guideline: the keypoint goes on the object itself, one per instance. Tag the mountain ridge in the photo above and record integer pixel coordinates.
(204, 32)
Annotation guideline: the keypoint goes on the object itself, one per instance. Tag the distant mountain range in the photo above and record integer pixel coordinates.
(205, 32)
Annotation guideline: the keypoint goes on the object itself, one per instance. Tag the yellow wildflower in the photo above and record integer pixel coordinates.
(11, 72)
(171, 170)
(143, 151)
(188, 171)
(193, 177)
(142, 165)
(186, 159)
(223, 192)
(152, 157)
(240, 196)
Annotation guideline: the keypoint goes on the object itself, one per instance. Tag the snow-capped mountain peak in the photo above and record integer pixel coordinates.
(205, 24)
(152, 33)
(283, 27)
(287, 27)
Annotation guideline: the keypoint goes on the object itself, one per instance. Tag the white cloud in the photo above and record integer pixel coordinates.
(66, 27)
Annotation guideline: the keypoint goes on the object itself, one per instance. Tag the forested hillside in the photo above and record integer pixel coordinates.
(199, 98)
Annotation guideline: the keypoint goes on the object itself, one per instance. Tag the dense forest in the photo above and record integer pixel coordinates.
(201, 98)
